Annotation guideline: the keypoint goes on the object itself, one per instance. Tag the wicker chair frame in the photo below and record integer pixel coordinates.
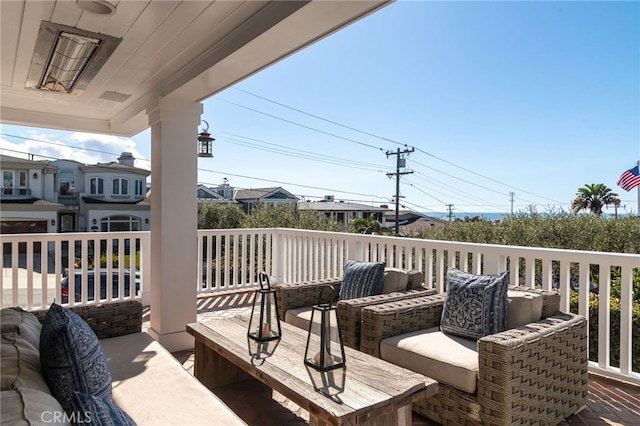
(107, 319)
(535, 374)
(296, 295)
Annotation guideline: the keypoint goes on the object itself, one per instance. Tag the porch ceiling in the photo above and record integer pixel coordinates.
(190, 50)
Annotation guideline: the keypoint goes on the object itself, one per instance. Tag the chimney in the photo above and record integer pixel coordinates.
(126, 159)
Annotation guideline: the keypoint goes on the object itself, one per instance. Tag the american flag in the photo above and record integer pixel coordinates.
(629, 179)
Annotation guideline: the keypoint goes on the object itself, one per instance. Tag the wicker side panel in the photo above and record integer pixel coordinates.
(393, 318)
(296, 295)
(450, 407)
(108, 319)
(536, 374)
(350, 312)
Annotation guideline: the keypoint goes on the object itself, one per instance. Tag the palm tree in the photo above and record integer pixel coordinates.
(593, 197)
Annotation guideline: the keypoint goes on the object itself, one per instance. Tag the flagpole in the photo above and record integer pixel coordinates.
(638, 197)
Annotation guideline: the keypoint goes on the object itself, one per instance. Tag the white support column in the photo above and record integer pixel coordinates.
(174, 129)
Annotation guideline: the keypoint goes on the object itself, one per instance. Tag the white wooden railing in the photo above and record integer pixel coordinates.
(34, 264)
(34, 267)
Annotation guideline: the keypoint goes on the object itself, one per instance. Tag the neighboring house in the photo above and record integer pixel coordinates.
(344, 212)
(210, 195)
(248, 198)
(27, 202)
(68, 196)
(412, 224)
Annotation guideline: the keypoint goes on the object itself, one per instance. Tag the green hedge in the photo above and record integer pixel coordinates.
(614, 329)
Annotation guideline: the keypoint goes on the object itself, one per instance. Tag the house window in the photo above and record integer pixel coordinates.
(96, 186)
(120, 186)
(7, 185)
(22, 179)
(139, 189)
(67, 182)
(120, 223)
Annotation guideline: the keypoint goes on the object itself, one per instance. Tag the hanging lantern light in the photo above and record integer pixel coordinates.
(325, 350)
(264, 325)
(205, 142)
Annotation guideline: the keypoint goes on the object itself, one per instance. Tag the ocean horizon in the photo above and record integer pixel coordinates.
(495, 216)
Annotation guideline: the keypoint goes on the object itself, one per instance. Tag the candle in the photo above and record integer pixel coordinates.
(327, 359)
(266, 331)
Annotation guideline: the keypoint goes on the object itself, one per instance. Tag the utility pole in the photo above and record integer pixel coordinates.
(400, 164)
(511, 197)
(450, 209)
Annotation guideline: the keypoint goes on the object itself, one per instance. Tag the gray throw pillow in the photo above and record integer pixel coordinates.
(361, 279)
(475, 305)
(72, 358)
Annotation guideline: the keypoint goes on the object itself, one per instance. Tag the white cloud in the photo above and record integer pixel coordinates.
(88, 148)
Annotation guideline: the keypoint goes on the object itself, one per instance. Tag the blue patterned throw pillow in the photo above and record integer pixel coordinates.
(72, 358)
(97, 411)
(361, 279)
(475, 305)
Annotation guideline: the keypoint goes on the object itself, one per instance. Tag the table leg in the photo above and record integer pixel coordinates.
(213, 370)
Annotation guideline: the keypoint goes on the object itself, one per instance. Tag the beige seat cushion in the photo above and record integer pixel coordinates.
(416, 280)
(301, 318)
(448, 359)
(152, 387)
(394, 279)
(523, 308)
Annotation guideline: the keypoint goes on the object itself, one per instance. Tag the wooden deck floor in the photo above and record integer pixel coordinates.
(610, 402)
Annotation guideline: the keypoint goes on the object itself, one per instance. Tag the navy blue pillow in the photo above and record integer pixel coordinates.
(96, 411)
(72, 358)
(361, 279)
(475, 305)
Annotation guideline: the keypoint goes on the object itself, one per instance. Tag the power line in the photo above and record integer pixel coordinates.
(294, 152)
(288, 183)
(299, 124)
(62, 145)
(384, 139)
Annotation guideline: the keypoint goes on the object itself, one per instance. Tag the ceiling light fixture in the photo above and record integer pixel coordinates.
(66, 59)
(99, 7)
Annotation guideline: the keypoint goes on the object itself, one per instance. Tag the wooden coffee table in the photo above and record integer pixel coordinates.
(375, 391)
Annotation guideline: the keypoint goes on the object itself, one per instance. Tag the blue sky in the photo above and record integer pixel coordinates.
(535, 98)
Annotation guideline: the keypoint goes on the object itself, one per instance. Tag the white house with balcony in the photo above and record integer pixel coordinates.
(69, 196)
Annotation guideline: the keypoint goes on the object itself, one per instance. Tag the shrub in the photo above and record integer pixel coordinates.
(614, 329)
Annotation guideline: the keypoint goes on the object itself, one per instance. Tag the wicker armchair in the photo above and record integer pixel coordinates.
(535, 374)
(107, 319)
(306, 294)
